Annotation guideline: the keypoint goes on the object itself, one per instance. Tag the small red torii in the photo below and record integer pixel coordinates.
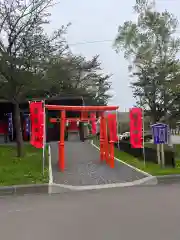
(105, 123)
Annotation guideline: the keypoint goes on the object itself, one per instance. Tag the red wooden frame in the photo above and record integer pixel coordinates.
(104, 143)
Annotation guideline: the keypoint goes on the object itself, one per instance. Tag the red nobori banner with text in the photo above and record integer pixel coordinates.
(136, 127)
(112, 126)
(37, 124)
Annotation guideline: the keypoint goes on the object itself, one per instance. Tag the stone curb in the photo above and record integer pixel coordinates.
(169, 179)
(24, 189)
(55, 188)
(19, 190)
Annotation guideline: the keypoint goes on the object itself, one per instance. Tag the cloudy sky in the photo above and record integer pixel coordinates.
(97, 21)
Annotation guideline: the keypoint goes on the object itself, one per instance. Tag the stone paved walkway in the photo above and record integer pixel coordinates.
(83, 167)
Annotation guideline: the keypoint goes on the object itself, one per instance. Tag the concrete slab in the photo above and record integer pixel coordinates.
(143, 213)
(83, 167)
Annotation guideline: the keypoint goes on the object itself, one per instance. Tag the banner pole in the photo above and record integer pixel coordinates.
(144, 155)
(12, 131)
(117, 119)
(29, 123)
(44, 135)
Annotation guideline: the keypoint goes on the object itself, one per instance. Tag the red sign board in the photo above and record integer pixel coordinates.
(136, 128)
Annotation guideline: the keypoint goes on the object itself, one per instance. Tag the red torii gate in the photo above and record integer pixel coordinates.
(105, 144)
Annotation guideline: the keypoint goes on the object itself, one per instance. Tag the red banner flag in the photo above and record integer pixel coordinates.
(112, 125)
(136, 128)
(93, 122)
(37, 124)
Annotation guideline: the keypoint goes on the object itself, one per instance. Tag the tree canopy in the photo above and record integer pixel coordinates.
(152, 47)
(33, 63)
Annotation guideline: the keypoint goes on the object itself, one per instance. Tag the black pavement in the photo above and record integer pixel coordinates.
(83, 166)
(143, 213)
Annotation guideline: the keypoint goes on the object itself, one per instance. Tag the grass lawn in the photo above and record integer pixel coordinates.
(151, 168)
(25, 170)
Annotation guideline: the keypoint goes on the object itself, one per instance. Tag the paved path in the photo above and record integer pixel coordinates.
(83, 167)
(143, 213)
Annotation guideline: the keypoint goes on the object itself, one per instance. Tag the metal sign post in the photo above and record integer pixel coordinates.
(160, 136)
(158, 154)
(162, 155)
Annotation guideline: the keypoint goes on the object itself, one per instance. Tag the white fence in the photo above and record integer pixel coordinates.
(175, 131)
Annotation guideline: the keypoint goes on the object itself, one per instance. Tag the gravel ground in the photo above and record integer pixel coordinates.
(83, 167)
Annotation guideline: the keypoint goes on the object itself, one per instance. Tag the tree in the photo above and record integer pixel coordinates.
(35, 64)
(25, 51)
(78, 76)
(90, 81)
(150, 45)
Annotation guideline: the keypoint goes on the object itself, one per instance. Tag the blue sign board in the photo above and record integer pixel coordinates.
(160, 133)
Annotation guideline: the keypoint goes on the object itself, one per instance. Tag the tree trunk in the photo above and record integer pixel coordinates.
(19, 138)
